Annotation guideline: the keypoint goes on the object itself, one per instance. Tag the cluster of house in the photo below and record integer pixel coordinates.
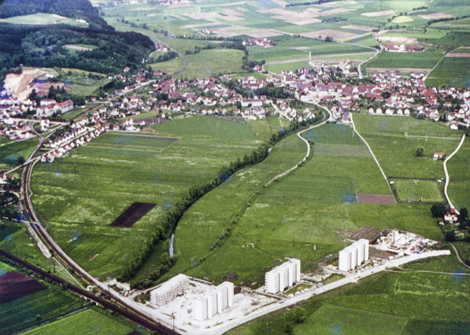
(214, 300)
(161, 47)
(78, 135)
(48, 107)
(262, 42)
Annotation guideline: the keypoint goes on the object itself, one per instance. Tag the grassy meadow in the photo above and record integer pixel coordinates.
(11, 151)
(43, 19)
(394, 141)
(304, 210)
(78, 196)
(89, 321)
(419, 190)
(460, 176)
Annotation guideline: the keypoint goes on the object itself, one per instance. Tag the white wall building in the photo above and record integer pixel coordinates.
(283, 276)
(214, 301)
(169, 290)
(354, 255)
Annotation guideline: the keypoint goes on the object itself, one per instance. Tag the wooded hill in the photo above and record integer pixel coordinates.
(42, 45)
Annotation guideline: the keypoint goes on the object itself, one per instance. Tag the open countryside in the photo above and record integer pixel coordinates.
(234, 167)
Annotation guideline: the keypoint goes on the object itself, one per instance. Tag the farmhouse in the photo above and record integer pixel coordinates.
(438, 155)
(170, 289)
(283, 276)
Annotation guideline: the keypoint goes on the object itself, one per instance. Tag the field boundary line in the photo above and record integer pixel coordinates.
(372, 153)
(435, 66)
(458, 256)
(446, 185)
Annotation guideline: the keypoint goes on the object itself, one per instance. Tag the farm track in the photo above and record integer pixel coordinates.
(372, 153)
(446, 185)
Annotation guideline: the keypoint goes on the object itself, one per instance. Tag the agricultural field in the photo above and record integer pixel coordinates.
(460, 176)
(90, 321)
(12, 151)
(396, 60)
(32, 308)
(450, 71)
(209, 63)
(418, 190)
(395, 140)
(131, 168)
(290, 217)
(44, 19)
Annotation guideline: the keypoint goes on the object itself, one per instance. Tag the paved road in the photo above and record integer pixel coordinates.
(352, 279)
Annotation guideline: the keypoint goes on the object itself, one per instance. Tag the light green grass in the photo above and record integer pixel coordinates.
(394, 141)
(210, 63)
(418, 190)
(332, 319)
(43, 19)
(89, 321)
(427, 59)
(78, 196)
(12, 151)
(460, 176)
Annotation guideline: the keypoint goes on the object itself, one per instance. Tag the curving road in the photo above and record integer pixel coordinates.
(299, 135)
(447, 173)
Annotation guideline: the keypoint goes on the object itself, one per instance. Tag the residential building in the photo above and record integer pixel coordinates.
(283, 276)
(354, 255)
(169, 290)
(215, 301)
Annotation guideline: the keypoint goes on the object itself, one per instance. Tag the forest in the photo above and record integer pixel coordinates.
(43, 46)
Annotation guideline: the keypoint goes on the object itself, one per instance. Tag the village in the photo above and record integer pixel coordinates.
(335, 86)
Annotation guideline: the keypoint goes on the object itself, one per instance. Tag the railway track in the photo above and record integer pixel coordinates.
(130, 315)
(124, 308)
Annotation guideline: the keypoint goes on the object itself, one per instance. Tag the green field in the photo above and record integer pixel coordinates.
(421, 60)
(287, 219)
(36, 308)
(394, 141)
(130, 168)
(11, 151)
(451, 71)
(43, 19)
(333, 319)
(418, 190)
(460, 176)
(90, 321)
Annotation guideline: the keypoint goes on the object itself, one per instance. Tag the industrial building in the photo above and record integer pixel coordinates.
(283, 276)
(214, 301)
(354, 255)
(169, 290)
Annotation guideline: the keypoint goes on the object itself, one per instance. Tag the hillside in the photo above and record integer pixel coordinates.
(43, 45)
